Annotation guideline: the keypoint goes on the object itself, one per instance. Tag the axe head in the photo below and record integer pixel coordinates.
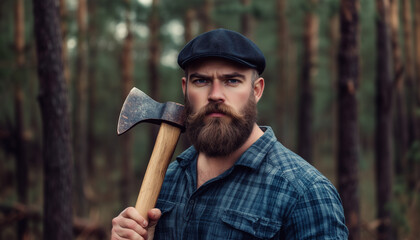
(138, 107)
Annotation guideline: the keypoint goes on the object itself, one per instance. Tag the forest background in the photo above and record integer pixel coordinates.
(342, 90)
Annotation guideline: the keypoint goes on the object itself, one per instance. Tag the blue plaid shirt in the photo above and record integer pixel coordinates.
(270, 193)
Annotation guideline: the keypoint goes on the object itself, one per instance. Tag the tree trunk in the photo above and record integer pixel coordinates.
(64, 31)
(188, 23)
(81, 111)
(21, 161)
(416, 99)
(417, 61)
(92, 70)
(410, 76)
(305, 121)
(54, 105)
(206, 16)
(127, 85)
(246, 19)
(400, 126)
(282, 98)
(384, 86)
(348, 133)
(154, 51)
(334, 35)
(154, 56)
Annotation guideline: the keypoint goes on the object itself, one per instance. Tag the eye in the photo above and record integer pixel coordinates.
(233, 81)
(200, 81)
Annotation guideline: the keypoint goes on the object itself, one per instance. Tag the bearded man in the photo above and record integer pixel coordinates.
(236, 181)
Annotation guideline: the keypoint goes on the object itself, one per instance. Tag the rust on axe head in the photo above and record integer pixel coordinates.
(138, 107)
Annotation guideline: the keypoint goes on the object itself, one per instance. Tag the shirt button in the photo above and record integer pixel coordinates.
(191, 202)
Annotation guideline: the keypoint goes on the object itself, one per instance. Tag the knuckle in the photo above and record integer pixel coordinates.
(132, 224)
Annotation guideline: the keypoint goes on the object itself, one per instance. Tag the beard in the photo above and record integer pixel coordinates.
(220, 136)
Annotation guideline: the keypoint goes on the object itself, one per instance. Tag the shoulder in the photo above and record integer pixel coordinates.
(290, 167)
(316, 203)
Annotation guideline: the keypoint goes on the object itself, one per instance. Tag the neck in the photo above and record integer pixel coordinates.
(211, 167)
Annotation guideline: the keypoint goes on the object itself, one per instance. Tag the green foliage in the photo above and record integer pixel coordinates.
(414, 153)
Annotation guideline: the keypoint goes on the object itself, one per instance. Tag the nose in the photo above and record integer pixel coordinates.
(216, 92)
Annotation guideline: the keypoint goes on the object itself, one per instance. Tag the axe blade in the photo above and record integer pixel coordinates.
(139, 107)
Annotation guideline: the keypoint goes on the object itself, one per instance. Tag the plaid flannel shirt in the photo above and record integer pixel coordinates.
(269, 193)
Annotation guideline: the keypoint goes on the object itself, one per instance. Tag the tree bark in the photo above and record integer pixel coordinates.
(348, 132)
(384, 98)
(53, 98)
(81, 111)
(305, 121)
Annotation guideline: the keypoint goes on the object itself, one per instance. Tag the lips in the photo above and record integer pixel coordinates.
(216, 114)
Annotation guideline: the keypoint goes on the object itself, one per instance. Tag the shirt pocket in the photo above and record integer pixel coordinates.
(249, 226)
(165, 206)
(166, 226)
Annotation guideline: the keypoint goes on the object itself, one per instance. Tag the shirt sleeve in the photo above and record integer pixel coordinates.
(318, 214)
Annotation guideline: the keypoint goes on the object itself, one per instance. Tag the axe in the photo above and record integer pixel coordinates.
(137, 108)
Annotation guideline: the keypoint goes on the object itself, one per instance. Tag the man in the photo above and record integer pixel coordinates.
(236, 181)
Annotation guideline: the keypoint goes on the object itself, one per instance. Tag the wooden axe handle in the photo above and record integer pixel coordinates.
(156, 169)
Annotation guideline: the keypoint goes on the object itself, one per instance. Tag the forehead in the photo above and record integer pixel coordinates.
(218, 66)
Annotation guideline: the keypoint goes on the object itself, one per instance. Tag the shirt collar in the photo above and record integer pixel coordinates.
(251, 158)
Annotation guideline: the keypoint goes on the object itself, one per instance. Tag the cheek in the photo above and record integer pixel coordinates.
(196, 99)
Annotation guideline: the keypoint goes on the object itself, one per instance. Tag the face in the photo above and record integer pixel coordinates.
(220, 99)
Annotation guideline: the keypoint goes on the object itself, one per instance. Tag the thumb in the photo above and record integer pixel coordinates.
(154, 216)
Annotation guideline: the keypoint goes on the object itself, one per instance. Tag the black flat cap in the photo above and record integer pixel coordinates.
(224, 44)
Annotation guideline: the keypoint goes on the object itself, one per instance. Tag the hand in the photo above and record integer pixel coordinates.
(131, 225)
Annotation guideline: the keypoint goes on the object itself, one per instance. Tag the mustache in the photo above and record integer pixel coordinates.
(213, 107)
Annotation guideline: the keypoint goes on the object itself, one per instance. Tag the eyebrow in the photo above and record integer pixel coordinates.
(224, 76)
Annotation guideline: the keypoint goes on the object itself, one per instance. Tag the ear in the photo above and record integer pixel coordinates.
(184, 85)
(258, 88)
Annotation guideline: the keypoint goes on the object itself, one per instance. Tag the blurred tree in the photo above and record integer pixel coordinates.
(310, 49)
(153, 61)
(384, 98)
(348, 144)
(53, 98)
(189, 18)
(154, 50)
(92, 48)
(21, 161)
(334, 35)
(410, 80)
(81, 111)
(283, 42)
(246, 19)
(64, 32)
(415, 147)
(127, 85)
(205, 15)
(400, 126)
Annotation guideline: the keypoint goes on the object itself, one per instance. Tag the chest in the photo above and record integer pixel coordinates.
(231, 206)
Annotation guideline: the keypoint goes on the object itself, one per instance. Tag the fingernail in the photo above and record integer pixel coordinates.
(144, 223)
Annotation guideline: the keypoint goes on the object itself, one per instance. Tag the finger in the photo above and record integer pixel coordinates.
(119, 233)
(133, 214)
(121, 223)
